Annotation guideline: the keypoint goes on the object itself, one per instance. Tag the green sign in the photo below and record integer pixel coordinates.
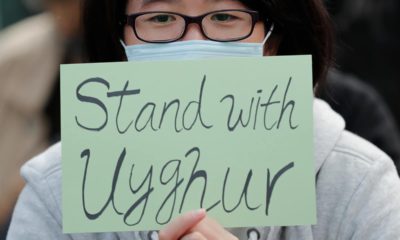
(143, 142)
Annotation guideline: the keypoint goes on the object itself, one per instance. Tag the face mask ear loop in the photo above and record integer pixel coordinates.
(268, 34)
(122, 43)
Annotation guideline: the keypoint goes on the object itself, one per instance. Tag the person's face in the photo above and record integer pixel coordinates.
(190, 8)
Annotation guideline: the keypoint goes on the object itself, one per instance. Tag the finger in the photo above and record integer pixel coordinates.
(180, 225)
(212, 230)
(193, 236)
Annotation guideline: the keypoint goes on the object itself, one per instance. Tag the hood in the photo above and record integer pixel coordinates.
(328, 127)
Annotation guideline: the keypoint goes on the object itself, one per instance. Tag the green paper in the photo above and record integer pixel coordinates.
(143, 142)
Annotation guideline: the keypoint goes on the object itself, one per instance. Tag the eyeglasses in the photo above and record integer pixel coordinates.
(220, 26)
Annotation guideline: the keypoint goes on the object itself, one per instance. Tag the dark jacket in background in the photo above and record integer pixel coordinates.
(365, 112)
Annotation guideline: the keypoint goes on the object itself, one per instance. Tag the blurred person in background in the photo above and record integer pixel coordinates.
(368, 33)
(31, 52)
(11, 11)
(364, 110)
(368, 44)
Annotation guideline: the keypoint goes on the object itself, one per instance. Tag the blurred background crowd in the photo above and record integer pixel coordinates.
(36, 36)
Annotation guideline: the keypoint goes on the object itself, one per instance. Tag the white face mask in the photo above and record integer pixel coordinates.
(194, 49)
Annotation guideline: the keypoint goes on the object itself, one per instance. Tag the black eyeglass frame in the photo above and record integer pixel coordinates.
(130, 20)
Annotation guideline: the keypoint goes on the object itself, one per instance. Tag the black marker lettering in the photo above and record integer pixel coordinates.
(122, 94)
(165, 110)
(286, 105)
(196, 174)
(151, 107)
(143, 199)
(92, 216)
(172, 192)
(243, 194)
(271, 184)
(198, 105)
(93, 100)
(266, 106)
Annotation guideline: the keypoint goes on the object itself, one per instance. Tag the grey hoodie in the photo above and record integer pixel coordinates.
(358, 193)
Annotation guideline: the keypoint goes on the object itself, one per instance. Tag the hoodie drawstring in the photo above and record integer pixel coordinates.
(152, 235)
(253, 234)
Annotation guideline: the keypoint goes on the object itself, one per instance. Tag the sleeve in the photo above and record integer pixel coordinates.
(32, 219)
(374, 210)
(38, 213)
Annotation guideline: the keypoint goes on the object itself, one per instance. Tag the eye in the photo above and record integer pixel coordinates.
(223, 17)
(162, 18)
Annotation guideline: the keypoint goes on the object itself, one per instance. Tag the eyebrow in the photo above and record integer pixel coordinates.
(152, 1)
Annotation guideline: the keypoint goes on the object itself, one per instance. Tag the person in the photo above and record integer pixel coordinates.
(358, 190)
(368, 34)
(364, 111)
(29, 92)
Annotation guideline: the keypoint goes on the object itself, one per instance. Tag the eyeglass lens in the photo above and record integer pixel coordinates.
(220, 26)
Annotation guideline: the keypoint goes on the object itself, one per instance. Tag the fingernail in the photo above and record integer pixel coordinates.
(200, 212)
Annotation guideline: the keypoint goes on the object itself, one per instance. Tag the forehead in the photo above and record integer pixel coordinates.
(143, 2)
(190, 7)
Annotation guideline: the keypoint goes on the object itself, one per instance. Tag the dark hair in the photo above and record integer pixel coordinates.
(305, 27)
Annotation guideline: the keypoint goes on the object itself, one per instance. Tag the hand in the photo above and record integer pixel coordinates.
(208, 229)
(195, 226)
(181, 225)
